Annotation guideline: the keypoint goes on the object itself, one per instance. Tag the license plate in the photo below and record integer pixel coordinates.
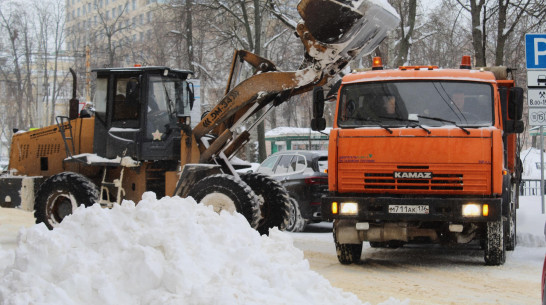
(408, 209)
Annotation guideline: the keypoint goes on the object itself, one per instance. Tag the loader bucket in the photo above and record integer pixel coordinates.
(362, 26)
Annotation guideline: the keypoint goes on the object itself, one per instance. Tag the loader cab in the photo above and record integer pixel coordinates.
(139, 112)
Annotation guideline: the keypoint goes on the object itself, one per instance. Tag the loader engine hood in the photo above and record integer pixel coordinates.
(447, 161)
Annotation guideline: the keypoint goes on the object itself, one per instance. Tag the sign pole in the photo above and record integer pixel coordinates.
(542, 168)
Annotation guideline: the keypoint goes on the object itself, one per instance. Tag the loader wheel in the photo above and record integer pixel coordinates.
(495, 249)
(60, 195)
(225, 193)
(296, 223)
(347, 253)
(275, 201)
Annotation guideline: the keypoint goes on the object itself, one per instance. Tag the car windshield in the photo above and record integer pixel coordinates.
(407, 103)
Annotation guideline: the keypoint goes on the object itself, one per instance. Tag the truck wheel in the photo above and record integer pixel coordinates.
(224, 192)
(347, 253)
(495, 249)
(275, 201)
(510, 237)
(296, 223)
(60, 195)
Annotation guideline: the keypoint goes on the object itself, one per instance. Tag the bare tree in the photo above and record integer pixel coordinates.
(109, 38)
(13, 27)
(407, 9)
(51, 37)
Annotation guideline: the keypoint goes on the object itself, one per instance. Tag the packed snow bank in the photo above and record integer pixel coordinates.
(530, 222)
(531, 163)
(168, 251)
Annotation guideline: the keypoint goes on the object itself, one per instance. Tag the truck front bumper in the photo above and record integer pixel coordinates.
(394, 209)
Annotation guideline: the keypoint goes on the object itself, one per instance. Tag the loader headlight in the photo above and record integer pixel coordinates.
(472, 210)
(348, 208)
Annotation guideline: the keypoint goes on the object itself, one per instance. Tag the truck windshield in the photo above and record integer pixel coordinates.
(406, 103)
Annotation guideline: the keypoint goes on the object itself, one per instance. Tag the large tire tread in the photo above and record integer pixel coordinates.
(495, 249)
(245, 200)
(347, 253)
(80, 187)
(275, 207)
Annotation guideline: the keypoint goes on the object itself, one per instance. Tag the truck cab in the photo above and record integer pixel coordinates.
(421, 154)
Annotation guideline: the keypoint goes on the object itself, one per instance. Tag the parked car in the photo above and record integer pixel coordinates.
(304, 175)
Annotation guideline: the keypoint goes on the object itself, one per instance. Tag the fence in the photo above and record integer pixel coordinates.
(529, 188)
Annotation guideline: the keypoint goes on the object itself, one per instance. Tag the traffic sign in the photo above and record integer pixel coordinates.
(536, 78)
(537, 116)
(536, 97)
(535, 51)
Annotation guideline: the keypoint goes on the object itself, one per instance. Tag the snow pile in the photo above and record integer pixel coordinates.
(530, 222)
(168, 251)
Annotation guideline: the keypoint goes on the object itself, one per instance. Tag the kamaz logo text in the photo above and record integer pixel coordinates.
(412, 175)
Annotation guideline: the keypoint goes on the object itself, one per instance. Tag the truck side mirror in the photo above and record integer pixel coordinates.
(318, 122)
(515, 103)
(512, 109)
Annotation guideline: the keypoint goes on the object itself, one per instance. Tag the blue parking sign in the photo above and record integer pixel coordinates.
(535, 51)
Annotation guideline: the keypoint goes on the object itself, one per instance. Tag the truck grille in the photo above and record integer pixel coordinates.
(385, 181)
(380, 178)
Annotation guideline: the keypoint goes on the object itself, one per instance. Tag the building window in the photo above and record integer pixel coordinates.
(134, 5)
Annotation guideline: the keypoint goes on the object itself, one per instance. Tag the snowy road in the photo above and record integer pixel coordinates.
(427, 274)
(420, 274)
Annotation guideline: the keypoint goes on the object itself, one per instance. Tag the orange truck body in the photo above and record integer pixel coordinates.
(379, 168)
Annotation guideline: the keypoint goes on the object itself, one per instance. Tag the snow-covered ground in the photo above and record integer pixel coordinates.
(168, 251)
(173, 251)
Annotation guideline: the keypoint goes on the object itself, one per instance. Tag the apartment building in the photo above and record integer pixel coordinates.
(93, 22)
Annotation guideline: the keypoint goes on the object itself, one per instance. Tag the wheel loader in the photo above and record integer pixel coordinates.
(139, 137)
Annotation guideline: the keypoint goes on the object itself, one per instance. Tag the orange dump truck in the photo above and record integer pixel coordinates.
(424, 155)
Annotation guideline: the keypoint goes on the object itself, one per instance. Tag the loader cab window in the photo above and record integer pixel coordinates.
(163, 95)
(406, 103)
(99, 100)
(126, 106)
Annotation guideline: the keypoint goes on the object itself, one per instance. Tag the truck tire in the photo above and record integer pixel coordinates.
(495, 249)
(60, 195)
(347, 253)
(224, 192)
(510, 237)
(275, 205)
(296, 223)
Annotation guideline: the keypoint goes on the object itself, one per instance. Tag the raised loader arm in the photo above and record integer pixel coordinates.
(332, 33)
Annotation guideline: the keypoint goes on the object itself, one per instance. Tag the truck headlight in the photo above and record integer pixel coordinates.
(348, 208)
(472, 210)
